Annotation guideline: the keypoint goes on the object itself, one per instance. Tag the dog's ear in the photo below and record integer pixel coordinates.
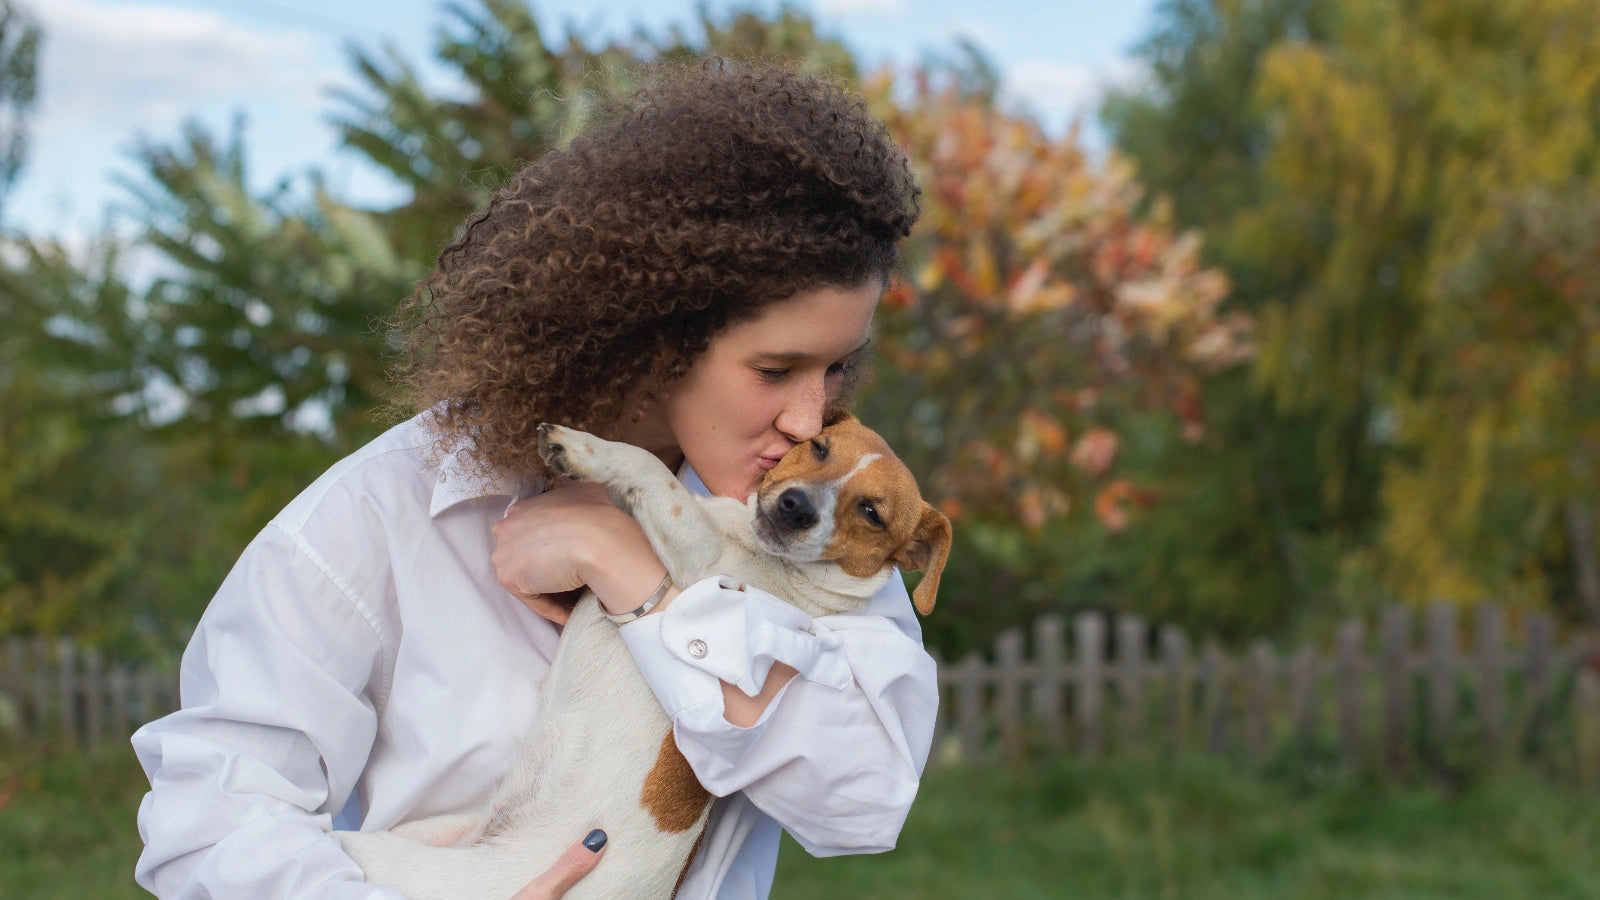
(833, 415)
(927, 551)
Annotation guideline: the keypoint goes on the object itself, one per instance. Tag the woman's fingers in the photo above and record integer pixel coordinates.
(579, 860)
(555, 607)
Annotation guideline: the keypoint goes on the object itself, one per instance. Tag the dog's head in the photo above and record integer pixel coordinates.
(843, 497)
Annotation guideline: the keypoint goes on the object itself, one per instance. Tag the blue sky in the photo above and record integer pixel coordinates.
(115, 70)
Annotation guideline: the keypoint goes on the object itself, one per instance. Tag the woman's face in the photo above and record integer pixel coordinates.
(762, 385)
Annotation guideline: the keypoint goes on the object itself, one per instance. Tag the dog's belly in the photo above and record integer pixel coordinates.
(601, 757)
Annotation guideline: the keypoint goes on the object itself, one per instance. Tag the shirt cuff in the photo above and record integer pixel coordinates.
(717, 630)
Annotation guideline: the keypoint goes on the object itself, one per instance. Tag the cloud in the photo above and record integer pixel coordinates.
(860, 7)
(1059, 92)
(124, 69)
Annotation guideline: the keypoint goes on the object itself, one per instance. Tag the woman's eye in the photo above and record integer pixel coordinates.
(871, 514)
(772, 374)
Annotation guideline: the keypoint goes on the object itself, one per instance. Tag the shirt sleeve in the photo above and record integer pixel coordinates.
(865, 683)
(278, 718)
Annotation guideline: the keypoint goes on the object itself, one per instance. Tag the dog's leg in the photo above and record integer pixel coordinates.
(682, 533)
(458, 830)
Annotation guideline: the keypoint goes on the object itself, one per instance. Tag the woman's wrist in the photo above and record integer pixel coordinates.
(622, 569)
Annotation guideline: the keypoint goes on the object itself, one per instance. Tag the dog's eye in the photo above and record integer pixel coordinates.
(819, 450)
(870, 513)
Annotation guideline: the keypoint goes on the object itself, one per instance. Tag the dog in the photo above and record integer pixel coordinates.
(825, 529)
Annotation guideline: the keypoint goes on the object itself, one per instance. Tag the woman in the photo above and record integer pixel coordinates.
(695, 275)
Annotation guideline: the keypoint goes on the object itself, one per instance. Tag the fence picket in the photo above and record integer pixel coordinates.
(17, 684)
(1586, 715)
(1048, 634)
(1175, 662)
(969, 708)
(1442, 690)
(1260, 694)
(1541, 631)
(1349, 682)
(41, 684)
(67, 689)
(1303, 699)
(1396, 645)
(117, 693)
(1089, 630)
(1491, 710)
(145, 689)
(92, 690)
(1008, 693)
(1214, 698)
(1131, 709)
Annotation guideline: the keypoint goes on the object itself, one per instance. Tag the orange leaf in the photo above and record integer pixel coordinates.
(1109, 505)
(1095, 451)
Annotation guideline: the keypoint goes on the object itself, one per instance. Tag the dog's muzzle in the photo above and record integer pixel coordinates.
(794, 511)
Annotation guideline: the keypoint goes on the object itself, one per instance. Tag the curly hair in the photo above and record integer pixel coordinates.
(690, 206)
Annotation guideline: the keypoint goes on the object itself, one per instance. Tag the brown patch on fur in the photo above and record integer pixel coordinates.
(677, 511)
(673, 796)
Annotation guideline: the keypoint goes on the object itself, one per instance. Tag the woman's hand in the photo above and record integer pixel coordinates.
(551, 545)
(579, 860)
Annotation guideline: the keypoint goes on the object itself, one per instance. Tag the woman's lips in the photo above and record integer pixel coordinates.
(767, 462)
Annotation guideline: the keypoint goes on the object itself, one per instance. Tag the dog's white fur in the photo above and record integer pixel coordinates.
(589, 763)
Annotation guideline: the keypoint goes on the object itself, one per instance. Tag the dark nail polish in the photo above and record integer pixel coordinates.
(595, 840)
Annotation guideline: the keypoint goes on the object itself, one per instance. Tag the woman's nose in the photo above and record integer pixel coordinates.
(801, 419)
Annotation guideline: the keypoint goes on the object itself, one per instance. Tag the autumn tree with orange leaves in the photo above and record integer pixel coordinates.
(1040, 308)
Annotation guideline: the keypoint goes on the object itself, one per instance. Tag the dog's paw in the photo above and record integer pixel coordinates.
(563, 449)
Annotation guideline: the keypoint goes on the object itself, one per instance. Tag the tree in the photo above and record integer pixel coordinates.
(1065, 329)
(1043, 320)
(1349, 154)
(19, 61)
(1501, 499)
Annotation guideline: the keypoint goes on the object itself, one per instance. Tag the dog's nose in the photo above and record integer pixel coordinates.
(795, 510)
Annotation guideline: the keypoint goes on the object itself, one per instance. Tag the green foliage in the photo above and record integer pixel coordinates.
(1349, 163)
(151, 430)
(65, 362)
(19, 63)
(265, 312)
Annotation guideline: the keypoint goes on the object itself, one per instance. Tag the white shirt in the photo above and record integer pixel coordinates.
(362, 658)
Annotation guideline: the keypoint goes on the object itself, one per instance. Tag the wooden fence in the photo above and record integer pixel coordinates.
(56, 689)
(1379, 699)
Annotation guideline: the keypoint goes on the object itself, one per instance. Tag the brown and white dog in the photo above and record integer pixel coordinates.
(824, 531)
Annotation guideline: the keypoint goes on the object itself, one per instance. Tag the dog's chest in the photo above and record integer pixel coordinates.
(603, 756)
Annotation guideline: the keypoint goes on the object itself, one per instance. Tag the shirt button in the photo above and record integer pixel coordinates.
(697, 648)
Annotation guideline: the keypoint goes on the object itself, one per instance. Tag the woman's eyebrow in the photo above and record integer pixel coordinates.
(800, 355)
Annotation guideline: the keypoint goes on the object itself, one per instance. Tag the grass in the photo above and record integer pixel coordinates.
(1196, 829)
(67, 822)
(1190, 829)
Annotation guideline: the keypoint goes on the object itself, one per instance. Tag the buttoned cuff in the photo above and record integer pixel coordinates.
(717, 630)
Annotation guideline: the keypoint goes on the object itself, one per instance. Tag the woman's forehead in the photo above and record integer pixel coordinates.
(821, 322)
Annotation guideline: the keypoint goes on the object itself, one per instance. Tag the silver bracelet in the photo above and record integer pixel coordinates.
(646, 606)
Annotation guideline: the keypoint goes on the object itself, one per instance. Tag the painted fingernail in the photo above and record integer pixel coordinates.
(595, 840)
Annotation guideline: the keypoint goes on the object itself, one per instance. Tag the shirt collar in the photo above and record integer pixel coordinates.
(458, 481)
(691, 480)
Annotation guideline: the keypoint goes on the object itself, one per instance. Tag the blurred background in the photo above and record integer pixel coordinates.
(1253, 346)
